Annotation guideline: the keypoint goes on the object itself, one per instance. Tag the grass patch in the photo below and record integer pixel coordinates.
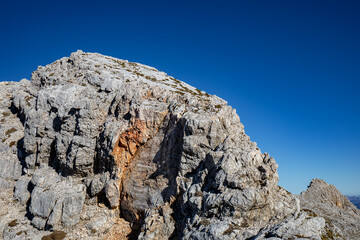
(21, 232)
(205, 222)
(28, 98)
(6, 114)
(13, 223)
(179, 92)
(231, 229)
(328, 235)
(199, 194)
(301, 236)
(139, 74)
(10, 131)
(311, 213)
(56, 235)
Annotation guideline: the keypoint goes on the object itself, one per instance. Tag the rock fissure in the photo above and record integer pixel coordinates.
(126, 147)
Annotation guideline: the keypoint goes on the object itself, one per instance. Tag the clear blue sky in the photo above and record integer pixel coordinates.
(290, 68)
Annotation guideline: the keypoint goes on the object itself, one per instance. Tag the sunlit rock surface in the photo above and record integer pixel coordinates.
(97, 147)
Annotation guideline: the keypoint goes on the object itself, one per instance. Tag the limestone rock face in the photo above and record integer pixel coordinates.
(106, 148)
(302, 226)
(11, 132)
(54, 200)
(324, 200)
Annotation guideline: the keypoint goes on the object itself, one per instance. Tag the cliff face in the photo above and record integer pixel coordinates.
(97, 147)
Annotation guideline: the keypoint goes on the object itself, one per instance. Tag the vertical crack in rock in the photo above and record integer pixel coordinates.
(126, 147)
(132, 145)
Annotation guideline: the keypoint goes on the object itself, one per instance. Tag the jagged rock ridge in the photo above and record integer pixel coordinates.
(342, 217)
(97, 147)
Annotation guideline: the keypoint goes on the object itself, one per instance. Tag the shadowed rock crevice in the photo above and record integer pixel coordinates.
(53, 162)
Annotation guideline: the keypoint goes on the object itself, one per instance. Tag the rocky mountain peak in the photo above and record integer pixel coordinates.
(322, 192)
(98, 147)
(107, 73)
(342, 217)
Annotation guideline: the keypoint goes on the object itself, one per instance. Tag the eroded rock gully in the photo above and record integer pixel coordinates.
(96, 147)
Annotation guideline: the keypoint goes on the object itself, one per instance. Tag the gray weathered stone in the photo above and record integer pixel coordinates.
(21, 192)
(4, 183)
(11, 132)
(55, 200)
(112, 193)
(98, 183)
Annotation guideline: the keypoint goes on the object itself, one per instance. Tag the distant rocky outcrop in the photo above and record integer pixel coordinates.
(341, 216)
(95, 147)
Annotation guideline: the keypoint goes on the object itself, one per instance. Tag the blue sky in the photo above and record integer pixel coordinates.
(291, 68)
